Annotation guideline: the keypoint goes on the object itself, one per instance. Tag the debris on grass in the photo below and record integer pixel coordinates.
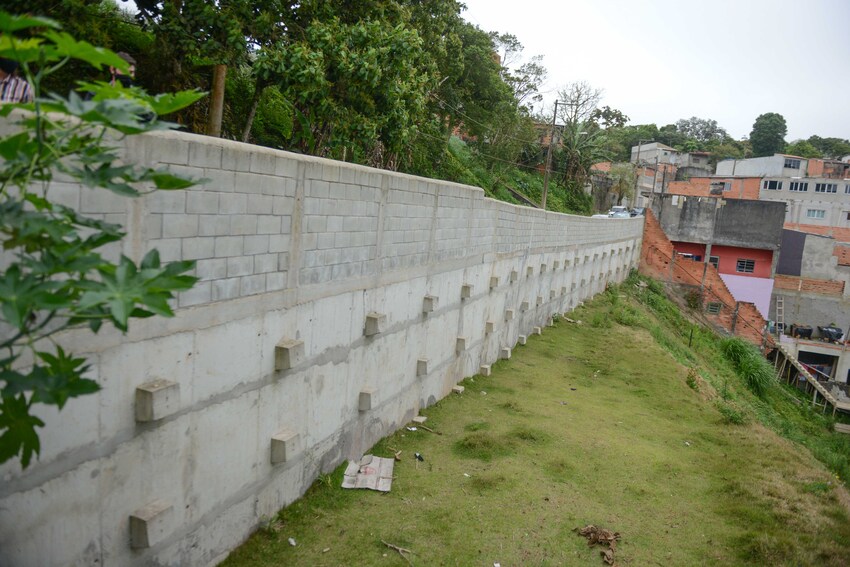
(401, 551)
(374, 473)
(603, 537)
(292, 542)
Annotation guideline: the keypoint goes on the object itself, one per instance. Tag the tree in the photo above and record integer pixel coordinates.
(834, 148)
(623, 176)
(607, 117)
(580, 148)
(578, 102)
(54, 277)
(768, 135)
(701, 130)
(803, 148)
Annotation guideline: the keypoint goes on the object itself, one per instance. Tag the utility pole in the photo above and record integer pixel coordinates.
(637, 165)
(549, 159)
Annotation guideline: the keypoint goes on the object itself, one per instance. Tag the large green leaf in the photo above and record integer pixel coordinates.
(18, 426)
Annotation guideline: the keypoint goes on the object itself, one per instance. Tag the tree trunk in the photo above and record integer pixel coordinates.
(216, 101)
(255, 103)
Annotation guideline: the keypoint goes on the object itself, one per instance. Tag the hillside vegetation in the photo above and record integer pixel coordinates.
(613, 421)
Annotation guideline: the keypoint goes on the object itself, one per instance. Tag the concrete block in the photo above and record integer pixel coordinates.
(375, 323)
(514, 275)
(422, 367)
(522, 339)
(429, 303)
(461, 344)
(537, 330)
(494, 282)
(466, 291)
(457, 389)
(150, 524)
(285, 445)
(505, 353)
(157, 399)
(420, 419)
(288, 353)
(367, 399)
(489, 327)
(550, 322)
(485, 370)
(539, 300)
(529, 271)
(509, 314)
(523, 306)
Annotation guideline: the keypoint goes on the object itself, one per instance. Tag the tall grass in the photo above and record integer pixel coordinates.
(749, 364)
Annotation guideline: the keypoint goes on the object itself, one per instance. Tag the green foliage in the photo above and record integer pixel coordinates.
(623, 177)
(750, 364)
(834, 148)
(768, 135)
(803, 148)
(56, 278)
(731, 412)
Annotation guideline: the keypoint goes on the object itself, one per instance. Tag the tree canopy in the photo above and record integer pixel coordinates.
(768, 135)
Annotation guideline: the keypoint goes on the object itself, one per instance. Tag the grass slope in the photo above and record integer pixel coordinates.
(615, 422)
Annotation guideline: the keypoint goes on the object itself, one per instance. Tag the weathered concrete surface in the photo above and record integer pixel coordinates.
(729, 222)
(291, 251)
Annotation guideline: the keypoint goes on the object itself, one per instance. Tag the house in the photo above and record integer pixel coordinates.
(693, 164)
(815, 190)
(811, 291)
(654, 152)
(739, 237)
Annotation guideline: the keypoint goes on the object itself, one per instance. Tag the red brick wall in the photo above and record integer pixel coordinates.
(810, 285)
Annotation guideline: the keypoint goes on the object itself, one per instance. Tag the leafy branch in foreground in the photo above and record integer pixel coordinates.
(53, 275)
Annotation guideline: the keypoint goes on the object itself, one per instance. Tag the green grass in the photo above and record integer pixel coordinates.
(582, 427)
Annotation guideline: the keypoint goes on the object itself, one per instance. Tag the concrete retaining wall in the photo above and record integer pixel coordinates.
(172, 462)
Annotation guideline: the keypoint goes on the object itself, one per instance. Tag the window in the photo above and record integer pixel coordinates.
(826, 187)
(848, 214)
(847, 188)
(815, 213)
(727, 185)
(712, 308)
(745, 266)
(773, 185)
(801, 186)
(792, 163)
(714, 261)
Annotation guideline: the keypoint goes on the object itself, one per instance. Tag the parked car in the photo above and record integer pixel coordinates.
(638, 212)
(618, 212)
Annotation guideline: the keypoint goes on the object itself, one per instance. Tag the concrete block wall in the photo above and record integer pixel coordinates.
(254, 388)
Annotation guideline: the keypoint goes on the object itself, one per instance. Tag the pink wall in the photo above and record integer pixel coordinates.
(748, 288)
(729, 256)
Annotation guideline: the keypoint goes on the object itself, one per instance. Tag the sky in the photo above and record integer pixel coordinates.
(661, 60)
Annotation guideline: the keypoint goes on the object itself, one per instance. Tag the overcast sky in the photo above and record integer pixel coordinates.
(662, 60)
